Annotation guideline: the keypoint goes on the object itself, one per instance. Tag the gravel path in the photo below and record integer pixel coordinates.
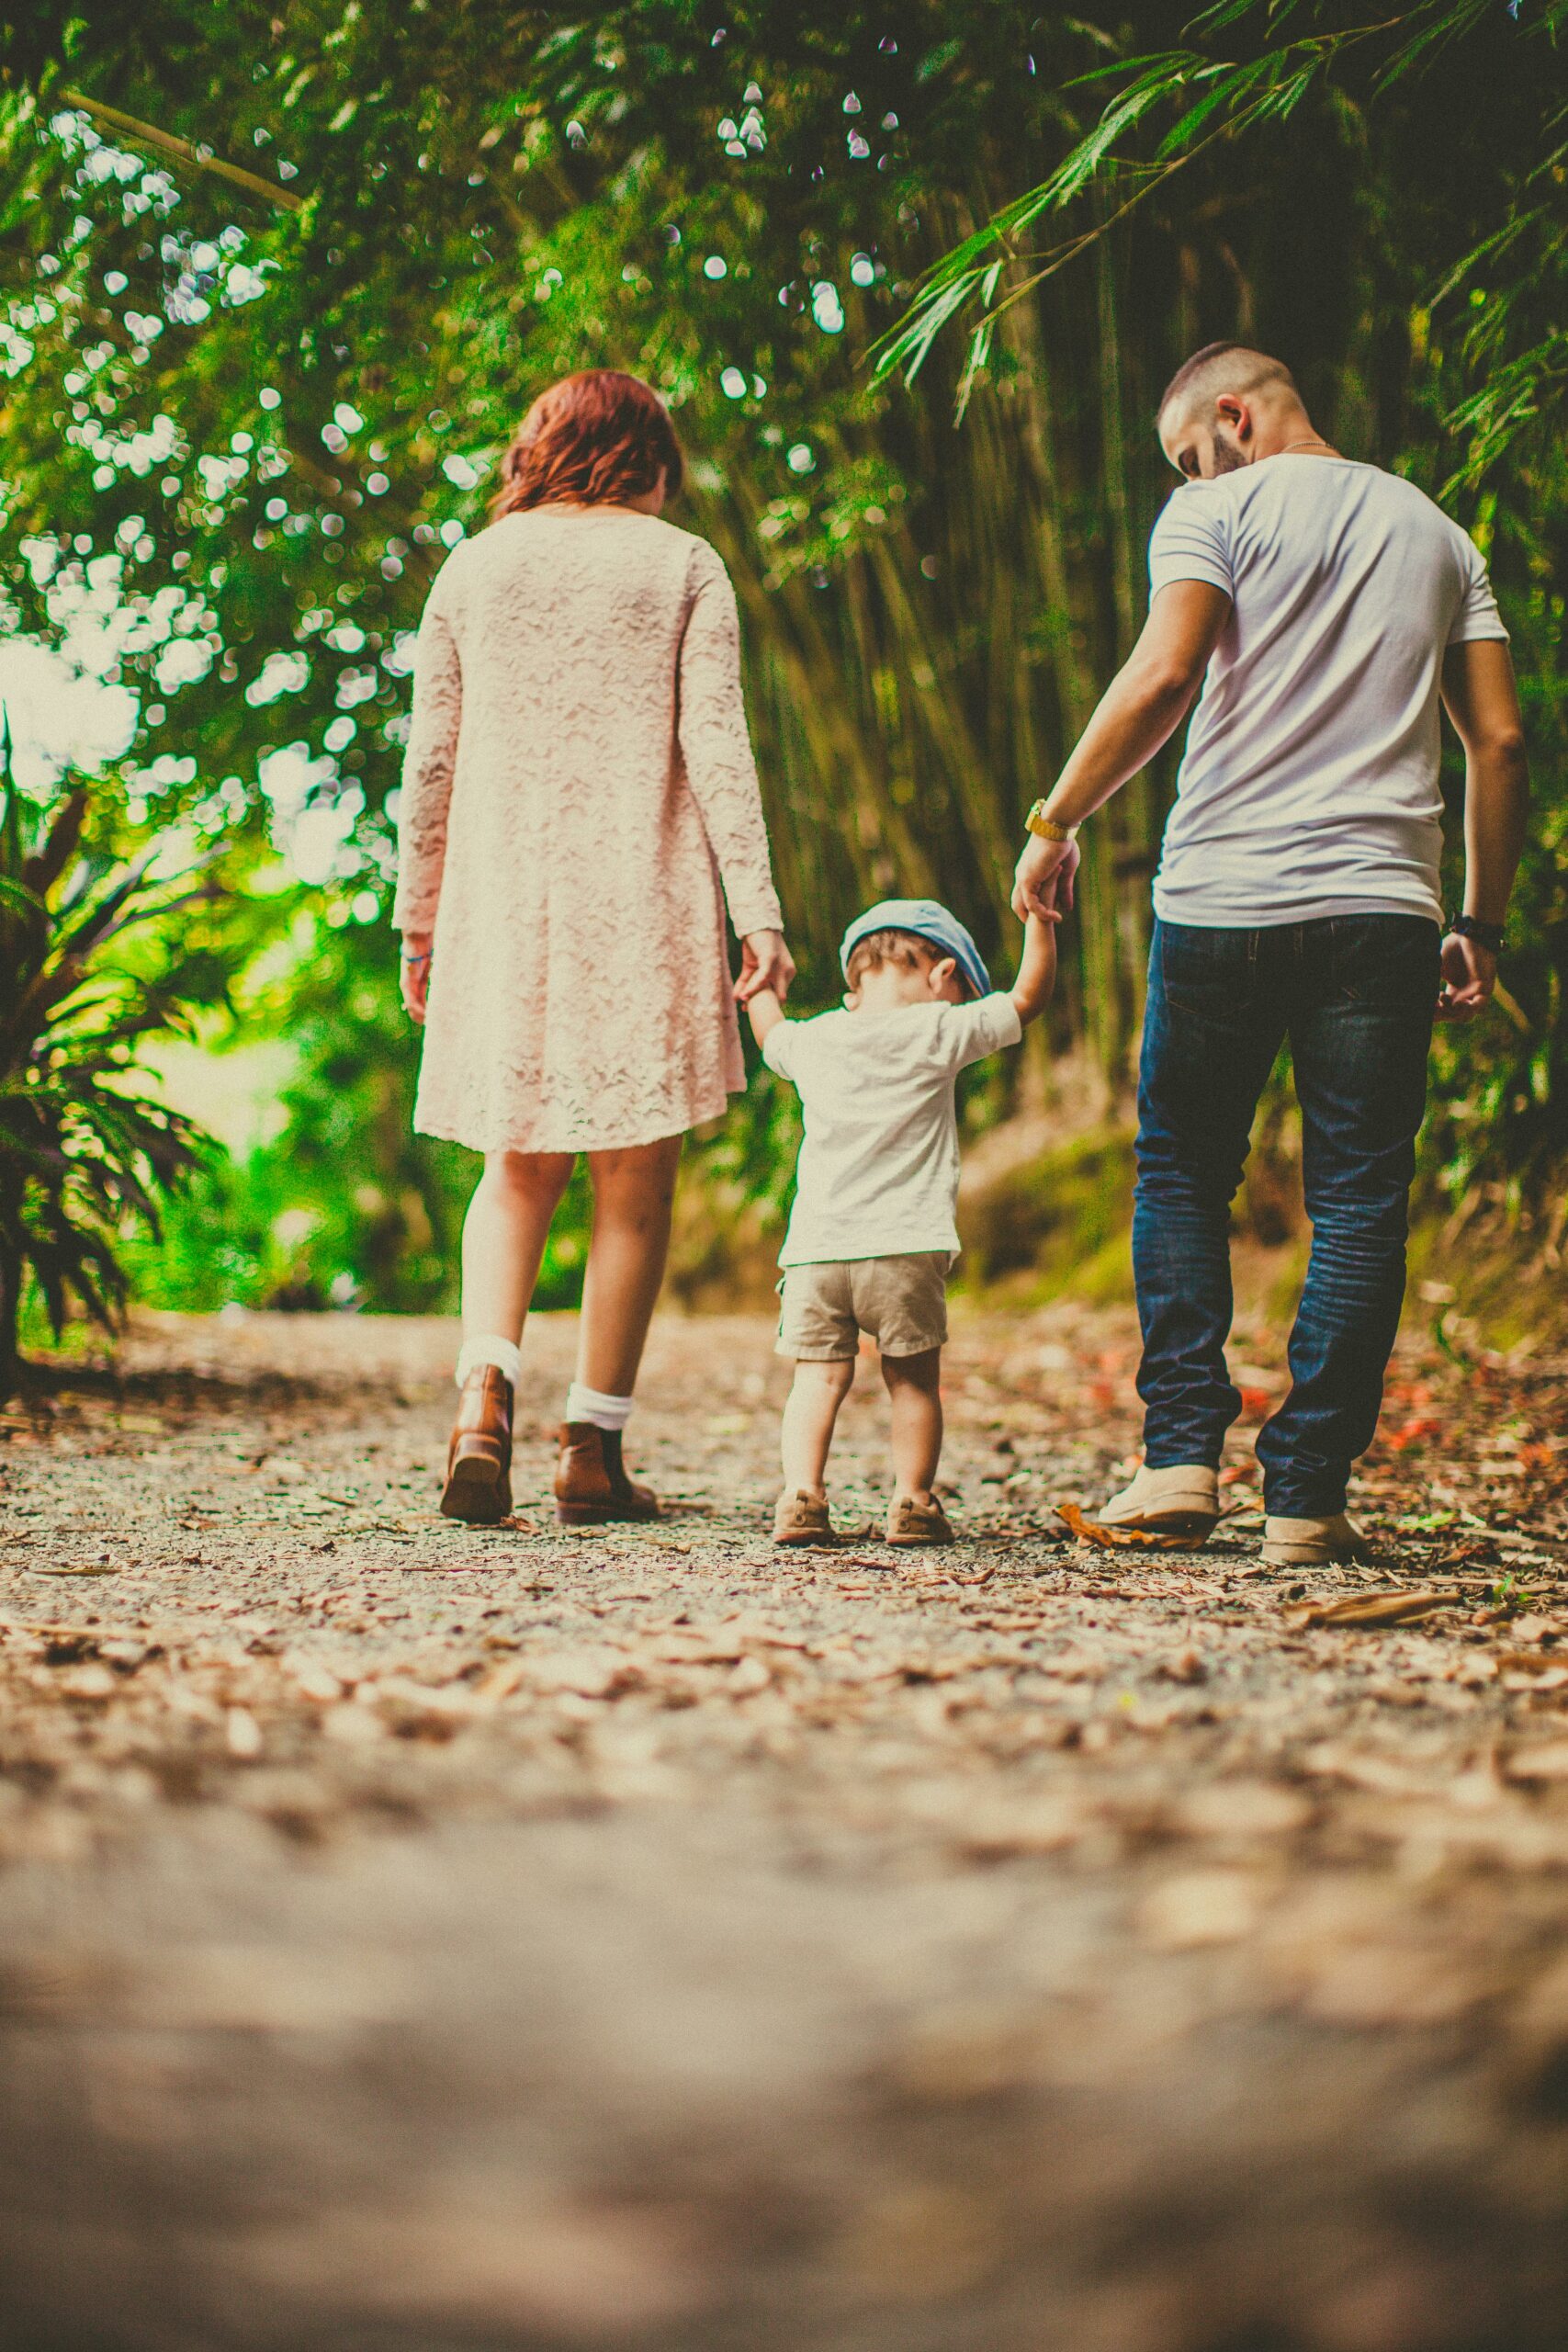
(427, 1937)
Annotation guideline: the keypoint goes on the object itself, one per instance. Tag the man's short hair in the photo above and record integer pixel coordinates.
(1223, 367)
(905, 948)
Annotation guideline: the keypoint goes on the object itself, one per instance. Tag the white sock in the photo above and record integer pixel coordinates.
(490, 1347)
(592, 1405)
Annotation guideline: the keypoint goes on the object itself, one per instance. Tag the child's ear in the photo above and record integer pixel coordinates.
(852, 999)
(939, 974)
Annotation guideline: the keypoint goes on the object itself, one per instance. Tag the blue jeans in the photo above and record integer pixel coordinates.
(1355, 996)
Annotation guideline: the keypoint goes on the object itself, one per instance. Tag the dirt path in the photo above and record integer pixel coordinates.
(420, 1936)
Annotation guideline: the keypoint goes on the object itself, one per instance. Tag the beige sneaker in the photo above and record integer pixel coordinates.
(1184, 1500)
(912, 1521)
(1313, 1542)
(801, 1519)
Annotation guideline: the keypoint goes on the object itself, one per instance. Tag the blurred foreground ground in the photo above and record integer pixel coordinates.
(419, 1937)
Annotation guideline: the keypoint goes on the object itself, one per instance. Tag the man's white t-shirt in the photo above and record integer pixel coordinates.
(1309, 785)
(878, 1173)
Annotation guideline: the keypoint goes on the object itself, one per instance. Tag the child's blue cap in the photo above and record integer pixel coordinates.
(929, 920)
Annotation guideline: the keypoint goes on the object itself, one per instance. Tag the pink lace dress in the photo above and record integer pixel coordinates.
(577, 781)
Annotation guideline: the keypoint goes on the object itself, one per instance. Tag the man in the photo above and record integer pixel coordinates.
(1327, 606)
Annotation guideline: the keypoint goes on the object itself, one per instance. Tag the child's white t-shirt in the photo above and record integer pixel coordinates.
(878, 1174)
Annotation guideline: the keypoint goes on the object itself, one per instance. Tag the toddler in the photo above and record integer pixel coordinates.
(872, 1237)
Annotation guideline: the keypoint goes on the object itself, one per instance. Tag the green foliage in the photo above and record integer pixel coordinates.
(84, 1154)
(345, 1206)
(276, 282)
(1469, 270)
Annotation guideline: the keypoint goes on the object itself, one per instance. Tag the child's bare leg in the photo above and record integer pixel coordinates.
(914, 1388)
(809, 1414)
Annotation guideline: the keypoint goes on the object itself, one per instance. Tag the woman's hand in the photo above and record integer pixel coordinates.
(414, 974)
(765, 963)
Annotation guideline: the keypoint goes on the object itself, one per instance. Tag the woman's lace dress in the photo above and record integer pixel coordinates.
(578, 779)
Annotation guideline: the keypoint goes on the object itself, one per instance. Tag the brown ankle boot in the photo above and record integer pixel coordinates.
(592, 1485)
(479, 1460)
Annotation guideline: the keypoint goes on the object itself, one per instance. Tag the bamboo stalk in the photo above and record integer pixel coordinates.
(167, 144)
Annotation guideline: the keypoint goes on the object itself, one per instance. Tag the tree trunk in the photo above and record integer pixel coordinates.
(10, 1322)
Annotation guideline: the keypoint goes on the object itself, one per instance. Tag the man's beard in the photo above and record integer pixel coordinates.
(1228, 454)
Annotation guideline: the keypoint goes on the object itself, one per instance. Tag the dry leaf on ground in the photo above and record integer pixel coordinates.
(1372, 1609)
(1089, 1531)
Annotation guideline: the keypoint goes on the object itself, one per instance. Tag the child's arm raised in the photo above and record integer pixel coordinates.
(1036, 981)
(764, 1012)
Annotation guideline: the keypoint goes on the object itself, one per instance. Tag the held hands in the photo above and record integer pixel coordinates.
(1470, 974)
(765, 963)
(1042, 881)
(413, 975)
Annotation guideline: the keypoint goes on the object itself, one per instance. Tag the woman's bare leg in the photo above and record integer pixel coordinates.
(634, 1196)
(505, 1235)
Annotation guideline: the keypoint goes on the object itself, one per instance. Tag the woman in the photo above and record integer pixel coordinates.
(578, 780)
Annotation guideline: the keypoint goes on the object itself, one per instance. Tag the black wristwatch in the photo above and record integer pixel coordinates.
(1486, 934)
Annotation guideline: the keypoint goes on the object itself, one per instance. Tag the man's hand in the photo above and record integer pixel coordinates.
(765, 963)
(414, 974)
(1470, 974)
(1043, 883)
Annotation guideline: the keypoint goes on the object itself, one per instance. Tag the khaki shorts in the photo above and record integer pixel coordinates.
(901, 1302)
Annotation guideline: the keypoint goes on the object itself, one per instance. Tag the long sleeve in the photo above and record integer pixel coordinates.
(717, 749)
(428, 766)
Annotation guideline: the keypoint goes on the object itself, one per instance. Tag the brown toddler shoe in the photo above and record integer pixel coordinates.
(913, 1521)
(801, 1519)
(479, 1459)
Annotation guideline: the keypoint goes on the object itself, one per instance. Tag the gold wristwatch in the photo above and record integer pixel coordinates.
(1045, 829)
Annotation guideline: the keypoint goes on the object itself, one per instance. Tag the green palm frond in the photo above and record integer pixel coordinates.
(1302, 47)
(85, 1149)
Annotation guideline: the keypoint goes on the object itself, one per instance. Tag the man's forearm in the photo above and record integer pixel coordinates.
(1497, 805)
(1138, 713)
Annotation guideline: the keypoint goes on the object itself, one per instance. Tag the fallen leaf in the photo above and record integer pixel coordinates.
(1394, 1607)
(242, 1733)
(1240, 1809)
(313, 1680)
(1365, 1769)
(1545, 1678)
(698, 1649)
(997, 1828)
(92, 1682)
(1200, 1908)
(1073, 1666)
(1412, 1432)
(1088, 1531)
(582, 1674)
(502, 1681)
(1186, 1667)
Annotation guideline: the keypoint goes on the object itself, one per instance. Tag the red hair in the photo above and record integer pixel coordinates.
(594, 438)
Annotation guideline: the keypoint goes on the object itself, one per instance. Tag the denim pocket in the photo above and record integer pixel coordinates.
(1207, 973)
(1385, 959)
